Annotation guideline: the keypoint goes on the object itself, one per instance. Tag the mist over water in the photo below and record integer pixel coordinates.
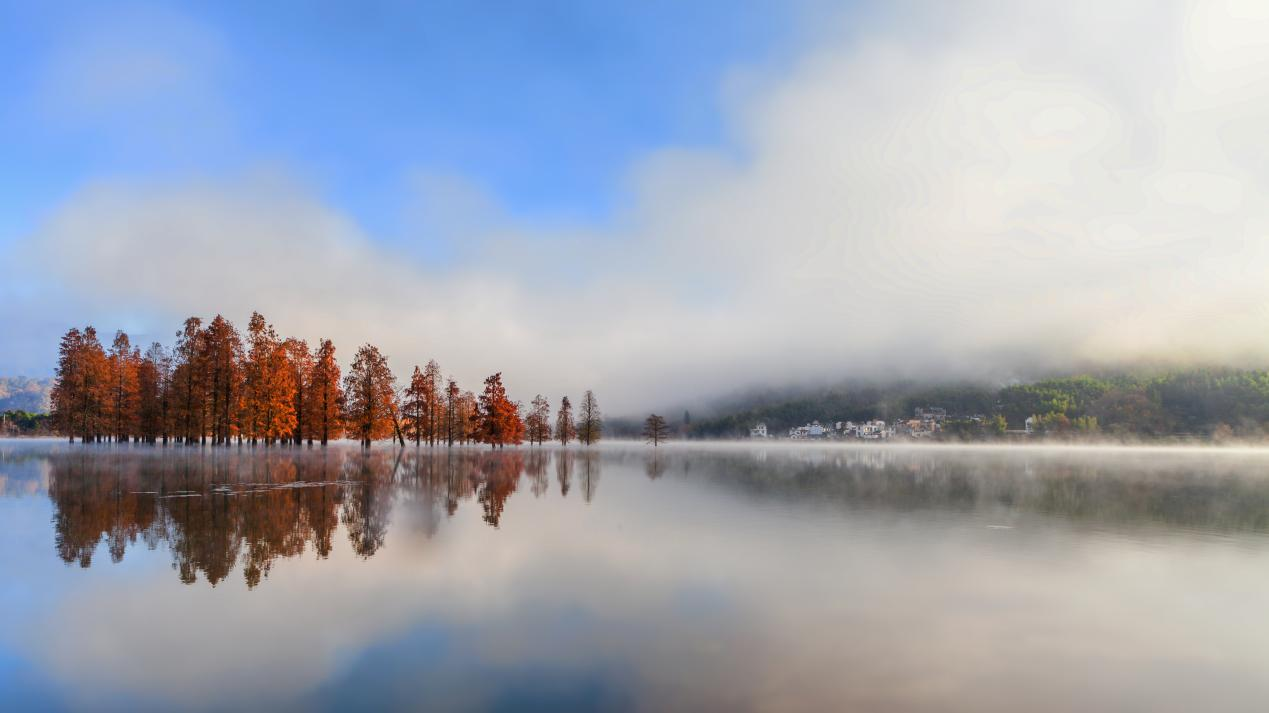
(692, 577)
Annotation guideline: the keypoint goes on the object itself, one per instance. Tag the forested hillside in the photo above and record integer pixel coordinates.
(19, 393)
(1204, 402)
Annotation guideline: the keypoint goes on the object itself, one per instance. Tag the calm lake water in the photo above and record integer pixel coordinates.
(692, 578)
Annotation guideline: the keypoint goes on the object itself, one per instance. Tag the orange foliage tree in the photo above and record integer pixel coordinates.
(222, 362)
(80, 390)
(299, 362)
(269, 397)
(151, 383)
(189, 381)
(500, 421)
(122, 391)
(433, 401)
(370, 410)
(326, 399)
(468, 418)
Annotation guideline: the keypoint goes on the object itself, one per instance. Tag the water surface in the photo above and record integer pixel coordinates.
(619, 578)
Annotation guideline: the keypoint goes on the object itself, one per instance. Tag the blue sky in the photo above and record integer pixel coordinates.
(659, 200)
(541, 104)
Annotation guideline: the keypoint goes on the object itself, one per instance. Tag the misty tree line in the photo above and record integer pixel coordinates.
(1215, 403)
(216, 386)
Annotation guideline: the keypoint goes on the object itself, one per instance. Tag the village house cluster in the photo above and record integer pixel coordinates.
(927, 422)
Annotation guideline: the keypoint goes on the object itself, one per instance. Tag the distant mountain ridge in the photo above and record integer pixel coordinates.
(20, 393)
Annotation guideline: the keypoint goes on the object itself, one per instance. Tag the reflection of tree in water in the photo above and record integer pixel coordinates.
(499, 476)
(366, 511)
(564, 471)
(423, 489)
(221, 509)
(588, 474)
(320, 503)
(655, 465)
(535, 468)
(92, 508)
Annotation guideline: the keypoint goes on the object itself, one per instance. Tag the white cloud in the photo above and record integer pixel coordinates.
(988, 188)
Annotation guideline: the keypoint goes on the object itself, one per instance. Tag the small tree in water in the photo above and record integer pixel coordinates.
(415, 408)
(565, 429)
(655, 430)
(590, 425)
(538, 422)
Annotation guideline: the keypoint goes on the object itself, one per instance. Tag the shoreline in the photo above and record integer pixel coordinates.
(730, 444)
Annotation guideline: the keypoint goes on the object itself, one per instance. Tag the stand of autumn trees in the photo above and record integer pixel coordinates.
(218, 386)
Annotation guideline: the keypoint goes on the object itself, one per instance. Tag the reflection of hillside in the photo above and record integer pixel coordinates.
(1216, 492)
(217, 510)
(22, 470)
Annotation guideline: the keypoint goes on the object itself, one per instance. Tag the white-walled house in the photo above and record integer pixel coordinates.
(811, 430)
(874, 430)
(758, 431)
